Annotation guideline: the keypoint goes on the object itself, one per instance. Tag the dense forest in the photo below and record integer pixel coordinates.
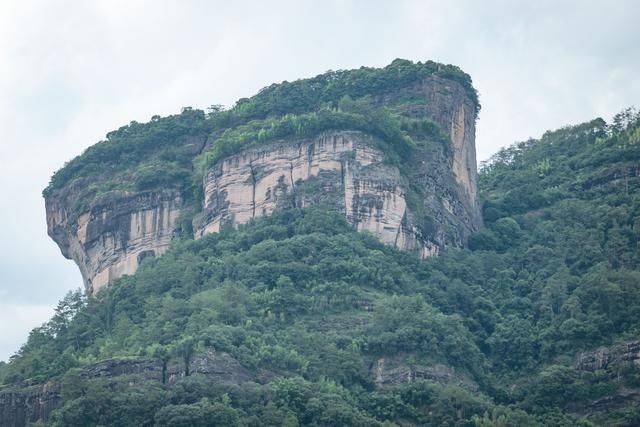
(320, 318)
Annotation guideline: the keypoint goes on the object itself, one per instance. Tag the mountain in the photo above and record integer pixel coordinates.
(392, 148)
(527, 316)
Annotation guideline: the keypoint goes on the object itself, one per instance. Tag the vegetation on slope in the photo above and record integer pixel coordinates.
(308, 306)
(392, 130)
(116, 159)
(160, 153)
(302, 96)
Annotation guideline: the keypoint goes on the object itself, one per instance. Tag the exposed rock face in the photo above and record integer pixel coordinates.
(25, 406)
(394, 371)
(345, 169)
(116, 234)
(448, 105)
(22, 406)
(618, 364)
(424, 205)
(218, 366)
(606, 358)
(342, 169)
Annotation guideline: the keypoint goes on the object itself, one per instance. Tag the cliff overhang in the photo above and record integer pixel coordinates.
(397, 160)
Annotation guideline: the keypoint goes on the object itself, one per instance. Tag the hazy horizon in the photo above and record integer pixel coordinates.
(71, 72)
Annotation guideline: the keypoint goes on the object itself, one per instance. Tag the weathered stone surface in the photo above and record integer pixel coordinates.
(394, 371)
(116, 234)
(449, 106)
(348, 172)
(617, 356)
(355, 179)
(21, 405)
(218, 366)
(617, 363)
(348, 165)
(425, 205)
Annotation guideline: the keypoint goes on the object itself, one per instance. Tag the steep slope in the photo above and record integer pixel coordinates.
(297, 319)
(391, 148)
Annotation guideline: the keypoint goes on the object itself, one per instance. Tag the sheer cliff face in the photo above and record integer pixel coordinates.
(424, 204)
(346, 170)
(113, 237)
(447, 104)
(341, 169)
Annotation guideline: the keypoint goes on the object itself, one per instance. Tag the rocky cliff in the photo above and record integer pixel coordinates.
(617, 364)
(23, 406)
(114, 235)
(626, 354)
(424, 202)
(20, 405)
(345, 170)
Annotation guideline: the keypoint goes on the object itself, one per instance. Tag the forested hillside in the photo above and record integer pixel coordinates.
(308, 322)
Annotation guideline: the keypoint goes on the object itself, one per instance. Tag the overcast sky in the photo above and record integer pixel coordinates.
(70, 71)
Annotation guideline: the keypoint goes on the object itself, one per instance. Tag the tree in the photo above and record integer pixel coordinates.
(185, 349)
(163, 354)
(201, 414)
(65, 311)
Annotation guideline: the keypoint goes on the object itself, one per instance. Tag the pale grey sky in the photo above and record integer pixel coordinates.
(70, 71)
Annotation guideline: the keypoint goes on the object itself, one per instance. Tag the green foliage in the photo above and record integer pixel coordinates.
(126, 403)
(312, 309)
(202, 413)
(184, 349)
(349, 115)
(162, 142)
(409, 324)
(166, 152)
(307, 95)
